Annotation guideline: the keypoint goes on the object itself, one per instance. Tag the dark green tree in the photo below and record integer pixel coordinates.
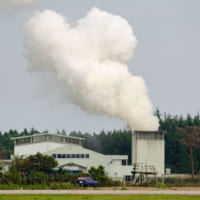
(190, 136)
(41, 163)
(38, 162)
(99, 175)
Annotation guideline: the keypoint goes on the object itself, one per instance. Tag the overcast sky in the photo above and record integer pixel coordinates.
(167, 56)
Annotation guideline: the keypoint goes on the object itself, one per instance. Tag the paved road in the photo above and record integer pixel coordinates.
(101, 192)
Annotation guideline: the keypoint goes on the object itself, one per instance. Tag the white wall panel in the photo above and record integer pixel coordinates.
(33, 148)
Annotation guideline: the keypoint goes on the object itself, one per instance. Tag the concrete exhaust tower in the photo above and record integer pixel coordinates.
(148, 148)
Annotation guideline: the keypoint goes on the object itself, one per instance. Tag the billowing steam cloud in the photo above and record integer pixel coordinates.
(88, 61)
(11, 5)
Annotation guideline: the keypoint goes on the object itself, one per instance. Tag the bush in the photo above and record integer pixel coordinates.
(161, 185)
(9, 187)
(64, 186)
(124, 188)
(35, 187)
(66, 177)
(111, 183)
(5, 179)
(149, 183)
(36, 178)
(15, 177)
(178, 182)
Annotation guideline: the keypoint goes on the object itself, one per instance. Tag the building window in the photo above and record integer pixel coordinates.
(123, 162)
(72, 155)
(82, 156)
(54, 155)
(66, 140)
(117, 162)
(87, 155)
(128, 178)
(70, 140)
(63, 155)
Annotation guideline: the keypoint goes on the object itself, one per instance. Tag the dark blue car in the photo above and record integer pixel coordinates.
(86, 181)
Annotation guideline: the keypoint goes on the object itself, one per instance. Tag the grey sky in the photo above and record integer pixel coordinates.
(167, 57)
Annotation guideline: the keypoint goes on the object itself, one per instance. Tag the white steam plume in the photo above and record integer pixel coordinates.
(88, 61)
(13, 5)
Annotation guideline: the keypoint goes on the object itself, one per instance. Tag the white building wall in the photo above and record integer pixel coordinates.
(33, 148)
(133, 149)
(149, 151)
(95, 159)
(117, 172)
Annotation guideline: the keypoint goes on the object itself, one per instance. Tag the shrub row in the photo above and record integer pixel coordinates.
(171, 182)
(41, 180)
(63, 186)
(34, 178)
(182, 181)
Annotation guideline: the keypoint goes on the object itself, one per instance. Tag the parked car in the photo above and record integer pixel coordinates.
(87, 181)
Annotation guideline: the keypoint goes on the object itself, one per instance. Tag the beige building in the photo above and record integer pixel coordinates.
(147, 149)
(71, 155)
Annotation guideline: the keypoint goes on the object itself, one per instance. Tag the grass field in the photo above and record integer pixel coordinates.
(98, 197)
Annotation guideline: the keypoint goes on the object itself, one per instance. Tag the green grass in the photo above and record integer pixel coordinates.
(98, 197)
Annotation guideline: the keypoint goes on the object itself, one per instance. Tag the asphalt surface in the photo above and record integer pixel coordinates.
(102, 192)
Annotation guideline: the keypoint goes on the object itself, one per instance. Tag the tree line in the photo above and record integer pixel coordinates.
(177, 156)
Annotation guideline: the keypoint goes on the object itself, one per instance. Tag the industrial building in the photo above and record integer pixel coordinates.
(147, 150)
